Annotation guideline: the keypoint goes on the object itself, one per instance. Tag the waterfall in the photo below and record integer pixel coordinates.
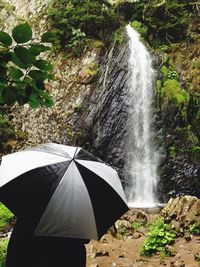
(143, 158)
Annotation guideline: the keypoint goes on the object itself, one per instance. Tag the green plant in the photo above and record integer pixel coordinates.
(172, 74)
(96, 19)
(122, 232)
(166, 21)
(3, 251)
(160, 235)
(5, 215)
(77, 41)
(172, 91)
(194, 229)
(137, 25)
(172, 151)
(197, 257)
(78, 106)
(136, 224)
(22, 71)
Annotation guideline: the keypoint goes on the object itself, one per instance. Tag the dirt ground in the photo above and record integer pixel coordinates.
(111, 251)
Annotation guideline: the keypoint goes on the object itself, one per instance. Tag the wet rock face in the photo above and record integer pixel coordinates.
(179, 170)
(180, 178)
(107, 108)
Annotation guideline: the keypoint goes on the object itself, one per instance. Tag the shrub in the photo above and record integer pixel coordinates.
(160, 235)
(194, 229)
(96, 19)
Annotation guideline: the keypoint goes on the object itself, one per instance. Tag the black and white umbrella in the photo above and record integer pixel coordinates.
(70, 191)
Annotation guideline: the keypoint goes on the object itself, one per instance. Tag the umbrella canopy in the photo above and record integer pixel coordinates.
(69, 191)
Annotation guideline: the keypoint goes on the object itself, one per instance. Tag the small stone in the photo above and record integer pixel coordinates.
(188, 237)
(101, 254)
(94, 265)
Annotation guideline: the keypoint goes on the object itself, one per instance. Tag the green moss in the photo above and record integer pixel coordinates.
(164, 70)
(138, 26)
(92, 68)
(173, 92)
(78, 106)
(172, 151)
(118, 36)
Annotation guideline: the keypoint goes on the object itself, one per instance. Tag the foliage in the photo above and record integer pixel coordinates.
(5, 215)
(138, 26)
(172, 151)
(169, 89)
(136, 224)
(160, 235)
(194, 229)
(6, 130)
(197, 257)
(77, 42)
(93, 19)
(166, 21)
(78, 106)
(172, 91)
(122, 232)
(22, 70)
(3, 251)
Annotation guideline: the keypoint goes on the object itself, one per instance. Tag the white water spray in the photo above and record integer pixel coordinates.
(142, 157)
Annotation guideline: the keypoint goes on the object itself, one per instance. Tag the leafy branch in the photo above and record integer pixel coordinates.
(23, 72)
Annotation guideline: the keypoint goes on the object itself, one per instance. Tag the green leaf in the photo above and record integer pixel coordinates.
(49, 37)
(46, 99)
(16, 73)
(18, 62)
(22, 33)
(40, 85)
(5, 39)
(37, 49)
(37, 75)
(43, 65)
(3, 72)
(34, 100)
(9, 95)
(24, 55)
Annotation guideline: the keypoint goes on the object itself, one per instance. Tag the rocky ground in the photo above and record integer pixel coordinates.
(124, 250)
(110, 252)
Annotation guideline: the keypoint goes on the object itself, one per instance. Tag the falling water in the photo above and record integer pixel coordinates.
(142, 157)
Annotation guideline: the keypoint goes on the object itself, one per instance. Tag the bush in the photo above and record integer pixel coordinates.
(160, 235)
(194, 229)
(96, 19)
